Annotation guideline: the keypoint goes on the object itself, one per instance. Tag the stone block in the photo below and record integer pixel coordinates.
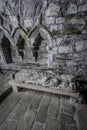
(60, 28)
(14, 20)
(72, 9)
(60, 20)
(81, 116)
(64, 49)
(51, 125)
(66, 119)
(52, 10)
(28, 23)
(82, 8)
(80, 45)
(53, 28)
(50, 20)
(59, 40)
(55, 50)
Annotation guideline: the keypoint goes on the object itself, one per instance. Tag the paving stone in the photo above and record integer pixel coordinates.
(51, 125)
(64, 126)
(18, 112)
(5, 90)
(8, 125)
(36, 101)
(66, 119)
(37, 126)
(53, 108)
(73, 128)
(66, 107)
(27, 98)
(42, 114)
(28, 120)
(7, 106)
(81, 117)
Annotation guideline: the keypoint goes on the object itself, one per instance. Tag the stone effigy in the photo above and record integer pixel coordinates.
(46, 78)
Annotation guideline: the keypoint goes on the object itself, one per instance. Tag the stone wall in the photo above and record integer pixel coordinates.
(61, 23)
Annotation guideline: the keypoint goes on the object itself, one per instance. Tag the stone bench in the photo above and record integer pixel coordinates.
(15, 85)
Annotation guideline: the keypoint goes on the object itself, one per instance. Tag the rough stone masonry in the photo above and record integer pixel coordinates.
(62, 26)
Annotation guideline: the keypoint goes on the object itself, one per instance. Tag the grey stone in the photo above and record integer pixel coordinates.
(29, 118)
(50, 20)
(67, 107)
(54, 27)
(73, 128)
(82, 8)
(18, 112)
(28, 23)
(52, 10)
(58, 41)
(42, 113)
(51, 125)
(64, 49)
(60, 28)
(36, 101)
(81, 117)
(37, 126)
(80, 45)
(9, 125)
(53, 109)
(72, 9)
(66, 119)
(60, 20)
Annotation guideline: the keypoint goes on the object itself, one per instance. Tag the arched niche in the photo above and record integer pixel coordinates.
(21, 46)
(40, 41)
(6, 49)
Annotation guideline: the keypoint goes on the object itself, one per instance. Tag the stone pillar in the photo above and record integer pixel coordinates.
(50, 56)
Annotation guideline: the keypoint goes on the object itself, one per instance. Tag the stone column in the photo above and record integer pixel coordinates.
(50, 56)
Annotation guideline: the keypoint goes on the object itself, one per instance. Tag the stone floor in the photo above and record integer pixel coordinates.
(34, 110)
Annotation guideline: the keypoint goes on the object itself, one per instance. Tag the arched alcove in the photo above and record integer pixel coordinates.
(21, 46)
(40, 40)
(6, 48)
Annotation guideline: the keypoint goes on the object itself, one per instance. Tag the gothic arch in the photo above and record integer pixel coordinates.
(38, 36)
(6, 49)
(43, 32)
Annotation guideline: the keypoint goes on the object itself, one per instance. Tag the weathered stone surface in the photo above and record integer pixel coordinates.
(36, 101)
(37, 126)
(58, 41)
(52, 10)
(53, 28)
(66, 119)
(28, 120)
(42, 114)
(82, 118)
(80, 45)
(66, 107)
(72, 9)
(60, 20)
(63, 49)
(9, 125)
(83, 8)
(18, 112)
(73, 128)
(49, 20)
(53, 109)
(51, 125)
(28, 23)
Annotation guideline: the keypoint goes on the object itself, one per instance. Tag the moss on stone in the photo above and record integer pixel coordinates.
(72, 31)
(53, 33)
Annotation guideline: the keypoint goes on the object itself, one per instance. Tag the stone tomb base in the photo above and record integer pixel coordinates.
(47, 81)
